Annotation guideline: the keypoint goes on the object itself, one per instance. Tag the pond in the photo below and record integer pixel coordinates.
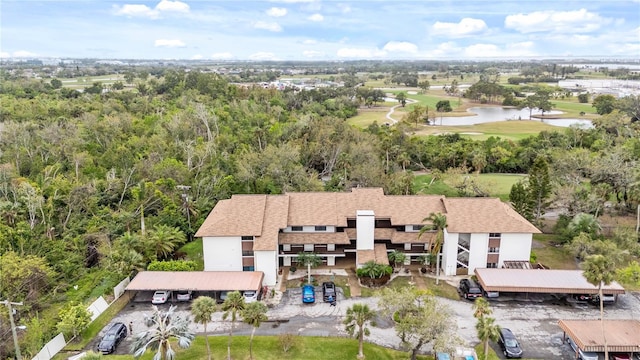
(493, 114)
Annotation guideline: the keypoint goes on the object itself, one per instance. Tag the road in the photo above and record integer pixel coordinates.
(534, 323)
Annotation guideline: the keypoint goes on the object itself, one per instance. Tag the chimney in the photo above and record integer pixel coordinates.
(365, 225)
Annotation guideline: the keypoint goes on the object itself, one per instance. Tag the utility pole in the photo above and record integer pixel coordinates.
(185, 199)
(8, 304)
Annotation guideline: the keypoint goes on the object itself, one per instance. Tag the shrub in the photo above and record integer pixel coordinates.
(287, 341)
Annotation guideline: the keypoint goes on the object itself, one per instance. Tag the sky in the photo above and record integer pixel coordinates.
(320, 29)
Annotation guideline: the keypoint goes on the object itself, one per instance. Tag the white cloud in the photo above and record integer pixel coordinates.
(135, 10)
(222, 56)
(196, 57)
(271, 26)
(309, 42)
(515, 50)
(400, 46)
(446, 49)
(171, 43)
(465, 27)
(175, 6)
(277, 12)
(359, 53)
(577, 21)
(262, 56)
(4, 54)
(316, 17)
(313, 54)
(344, 8)
(24, 53)
(295, 1)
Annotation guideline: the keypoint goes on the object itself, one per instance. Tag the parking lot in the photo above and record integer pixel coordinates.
(533, 320)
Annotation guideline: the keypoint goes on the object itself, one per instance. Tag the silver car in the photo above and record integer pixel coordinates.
(581, 354)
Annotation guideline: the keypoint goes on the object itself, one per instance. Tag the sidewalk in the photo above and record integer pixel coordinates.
(354, 284)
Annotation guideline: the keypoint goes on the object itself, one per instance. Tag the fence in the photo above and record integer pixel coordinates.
(96, 308)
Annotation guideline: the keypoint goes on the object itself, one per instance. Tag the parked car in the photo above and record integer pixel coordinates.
(489, 294)
(308, 294)
(509, 344)
(223, 296)
(114, 335)
(250, 296)
(607, 299)
(581, 354)
(583, 297)
(328, 289)
(184, 295)
(442, 356)
(469, 289)
(619, 356)
(161, 297)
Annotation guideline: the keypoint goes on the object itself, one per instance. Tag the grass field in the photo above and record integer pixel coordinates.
(499, 185)
(269, 348)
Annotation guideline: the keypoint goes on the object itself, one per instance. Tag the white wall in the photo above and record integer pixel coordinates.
(515, 247)
(267, 262)
(222, 253)
(365, 227)
(449, 253)
(478, 252)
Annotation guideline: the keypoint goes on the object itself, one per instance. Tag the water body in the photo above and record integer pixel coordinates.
(493, 114)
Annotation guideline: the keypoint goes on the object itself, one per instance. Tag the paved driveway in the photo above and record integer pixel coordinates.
(535, 324)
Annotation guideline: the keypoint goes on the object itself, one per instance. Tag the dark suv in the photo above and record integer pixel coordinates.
(509, 344)
(328, 289)
(468, 289)
(116, 333)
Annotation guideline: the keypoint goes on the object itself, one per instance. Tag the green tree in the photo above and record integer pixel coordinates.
(437, 222)
(232, 305)
(56, 83)
(604, 104)
(521, 200)
(24, 277)
(402, 98)
(358, 315)
(539, 186)
(164, 327)
(203, 308)
(397, 258)
(481, 308)
(600, 270)
(583, 98)
(74, 317)
(444, 106)
(424, 85)
(309, 260)
(254, 314)
(487, 330)
(165, 240)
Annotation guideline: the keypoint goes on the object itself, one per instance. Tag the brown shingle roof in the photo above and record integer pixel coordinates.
(541, 281)
(238, 216)
(484, 215)
(622, 335)
(275, 218)
(377, 255)
(196, 280)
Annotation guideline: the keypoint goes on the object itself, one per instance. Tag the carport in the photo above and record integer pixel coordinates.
(622, 335)
(197, 281)
(541, 281)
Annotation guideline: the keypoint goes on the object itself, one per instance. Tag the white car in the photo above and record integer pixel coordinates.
(183, 295)
(161, 297)
(582, 355)
(250, 296)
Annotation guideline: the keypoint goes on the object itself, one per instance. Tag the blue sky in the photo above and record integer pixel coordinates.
(320, 29)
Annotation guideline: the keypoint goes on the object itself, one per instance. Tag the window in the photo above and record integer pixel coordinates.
(247, 252)
(296, 228)
(248, 268)
(308, 247)
(246, 238)
(331, 247)
(286, 247)
(321, 228)
(494, 249)
(494, 235)
(417, 227)
(492, 265)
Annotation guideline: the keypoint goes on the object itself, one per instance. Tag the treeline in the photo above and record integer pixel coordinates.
(94, 187)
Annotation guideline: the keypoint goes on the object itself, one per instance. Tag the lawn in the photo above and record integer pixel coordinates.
(551, 254)
(268, 348)
(499, 185)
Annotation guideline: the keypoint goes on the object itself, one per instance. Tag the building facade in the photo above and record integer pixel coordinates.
(266, 232)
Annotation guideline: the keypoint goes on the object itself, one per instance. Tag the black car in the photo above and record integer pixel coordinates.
(328, 290)
(468, 289)
(509, 344)
(114, 335)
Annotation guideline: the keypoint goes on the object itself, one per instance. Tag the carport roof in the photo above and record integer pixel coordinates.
(196, 280)
(541, 281)
(622, 335)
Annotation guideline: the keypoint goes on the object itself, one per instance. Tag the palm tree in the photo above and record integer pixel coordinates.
(309, 260)
(164, 240)
(202, 309)
(355, 322)
(481, 308)
(233, 304)
(439, 223)
(164, 327)
(599, 270)
(397, 257)
(254, 314)
(487, 330)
